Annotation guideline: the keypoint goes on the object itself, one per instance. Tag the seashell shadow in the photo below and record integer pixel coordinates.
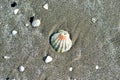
(31, 19)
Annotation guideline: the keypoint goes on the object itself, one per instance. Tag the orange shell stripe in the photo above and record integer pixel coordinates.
(62, 37)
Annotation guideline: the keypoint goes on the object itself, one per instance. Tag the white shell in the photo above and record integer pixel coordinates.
(45, 6)
(94, 20)
(96, 67)
(48, 59)
(14, 32)
(16, 11)
(36, 23)
(61, 41)
(6, 57)
(26, 24)
(21, 68)
(70, 69)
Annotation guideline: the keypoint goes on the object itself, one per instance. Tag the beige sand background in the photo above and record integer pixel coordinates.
(93, 43)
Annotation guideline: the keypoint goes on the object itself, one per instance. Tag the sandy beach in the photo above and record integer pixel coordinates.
(94, 28)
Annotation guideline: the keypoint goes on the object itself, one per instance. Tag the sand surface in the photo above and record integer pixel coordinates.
(94, 27)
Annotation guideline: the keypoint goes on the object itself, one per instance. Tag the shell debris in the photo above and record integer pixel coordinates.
(36, 23)
(21, 68)
(96, 67)
(26, 24)
(93, 20)
(16, 11)
(6, 57)
(45, 6)
(70, 69)
(61, 41)
(48, 59)
(14, 32)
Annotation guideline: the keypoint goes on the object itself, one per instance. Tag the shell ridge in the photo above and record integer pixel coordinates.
(60, 46)
(57, 44)
(63, 45)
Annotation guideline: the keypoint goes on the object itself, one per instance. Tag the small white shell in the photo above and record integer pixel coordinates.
(48, 59)
(36, 23)
(14, 32)
(93, 20)
(45, 6)
(70, 69)
(61, 41)
(21, 68)
(6, 57)
(96, 67)
(16, 11)
(26, 24)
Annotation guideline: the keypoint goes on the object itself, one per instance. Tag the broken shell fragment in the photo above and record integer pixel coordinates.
(48, 59)
(61, 41)
(6, 57)
(93, 20)
(21, 68)
(16, 11)
(26, 24)
(36, 23)
(70, 69)
(45, 6)
(97, 67)
(14, 32)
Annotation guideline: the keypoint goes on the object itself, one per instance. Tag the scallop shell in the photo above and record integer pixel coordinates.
(61, 41)
(45, 6)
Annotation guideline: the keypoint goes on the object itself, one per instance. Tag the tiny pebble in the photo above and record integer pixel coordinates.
(97, 67)
(21, 68)
(45, 6)
(16, 11)
(6, 57)
(94, 20)
(48, 59)
(14, 32)
(70, 69)
(26, 24)
(36, 23)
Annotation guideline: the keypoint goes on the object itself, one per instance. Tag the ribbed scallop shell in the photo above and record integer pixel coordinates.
(61, 41)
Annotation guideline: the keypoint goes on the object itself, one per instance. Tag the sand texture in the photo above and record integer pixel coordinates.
(94, 27)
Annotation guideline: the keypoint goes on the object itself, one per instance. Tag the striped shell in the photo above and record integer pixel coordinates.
(61, 41)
